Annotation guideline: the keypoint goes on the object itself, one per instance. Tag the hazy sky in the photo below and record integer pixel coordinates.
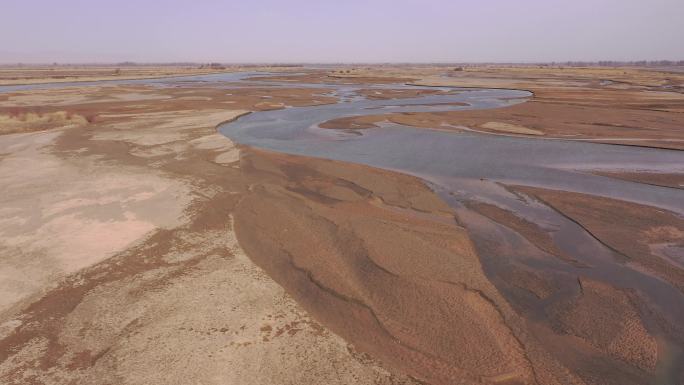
(339, 31)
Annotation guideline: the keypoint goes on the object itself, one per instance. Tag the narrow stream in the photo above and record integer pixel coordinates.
(468, 166)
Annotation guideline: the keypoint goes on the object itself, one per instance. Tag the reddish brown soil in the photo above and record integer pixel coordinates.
(379, 94)
(103, 101)
(608, 124)
(571, 104)
(374, 256)
(657, 179)
(641, 228)
(530, 231)
(325, 77)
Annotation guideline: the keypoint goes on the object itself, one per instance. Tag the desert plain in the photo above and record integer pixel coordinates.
(141, 245)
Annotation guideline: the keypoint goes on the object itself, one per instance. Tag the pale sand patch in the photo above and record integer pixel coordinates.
(256, 334)
(60, 216)
(8, 326)
(219, 143)
(512, 128)
(45, 97)
(213, 142)
(173, 147)
(222, 322)
(269, 105)
(77, 241)
(175, 306)
(227, 157)
(137, 96)
(164, 127)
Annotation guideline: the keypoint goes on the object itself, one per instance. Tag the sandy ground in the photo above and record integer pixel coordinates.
(78, 212)
(32, 74)
(119, 257)
(643, 107)
(58, 74)
(121, 262)
(657, 179)
(26, 111)
(386, 269)
(530, 231)
(377, 259)
(642, 238)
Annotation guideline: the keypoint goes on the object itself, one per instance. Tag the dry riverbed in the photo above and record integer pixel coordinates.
(641, 107)
(139, 246)
(119, 257)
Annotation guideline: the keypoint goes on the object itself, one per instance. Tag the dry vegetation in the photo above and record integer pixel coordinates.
(32, 121)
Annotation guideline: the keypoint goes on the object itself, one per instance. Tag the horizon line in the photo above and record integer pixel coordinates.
(306, 63)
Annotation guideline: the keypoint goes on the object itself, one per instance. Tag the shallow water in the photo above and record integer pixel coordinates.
(467, 166)
(439, 156)
(471, 166)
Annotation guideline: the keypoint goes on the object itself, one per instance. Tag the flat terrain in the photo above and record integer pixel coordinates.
(119, 257)
(18, 75)
(61, 74)
(640, 107)
(139, 246)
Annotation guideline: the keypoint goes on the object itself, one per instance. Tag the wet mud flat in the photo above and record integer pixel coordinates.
(438, 255)
(591, 285)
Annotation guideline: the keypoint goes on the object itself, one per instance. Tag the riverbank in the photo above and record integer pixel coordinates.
(61, 74)
(343, 273)
(639, 107)
(37, 74)
(120, 262)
